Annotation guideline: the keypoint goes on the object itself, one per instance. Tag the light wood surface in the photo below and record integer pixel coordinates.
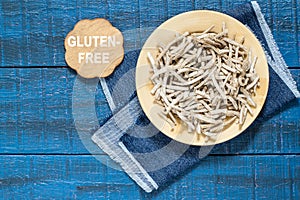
(109, 54)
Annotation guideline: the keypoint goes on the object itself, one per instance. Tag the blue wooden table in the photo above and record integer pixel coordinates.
(41, 155)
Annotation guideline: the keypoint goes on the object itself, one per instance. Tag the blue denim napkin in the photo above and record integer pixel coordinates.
(149, 157)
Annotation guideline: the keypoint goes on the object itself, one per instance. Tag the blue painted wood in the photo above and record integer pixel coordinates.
(36, 117)
(32, 33)
(83, 177)
(177, 7)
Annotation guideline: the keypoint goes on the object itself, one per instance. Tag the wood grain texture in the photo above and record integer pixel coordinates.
(105, 56)
(41, 154)
(82, 177)
(36, 117)
(32, 33)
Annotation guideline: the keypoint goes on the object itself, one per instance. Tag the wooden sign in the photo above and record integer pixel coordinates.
(94, 48)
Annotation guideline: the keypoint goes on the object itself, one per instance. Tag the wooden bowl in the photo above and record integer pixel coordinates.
(197, 21)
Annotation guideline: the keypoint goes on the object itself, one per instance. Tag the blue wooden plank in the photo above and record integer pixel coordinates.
(11, 22)
(294, 173)
(125, 15)
(92, 9)
(177, 7)
(83, 177)
(36, 117)
(296, 11)
(32, 33)
(36, 111)
(208, 5)
(269, 186)
(151, 15)
(61, 177)
(285, 29)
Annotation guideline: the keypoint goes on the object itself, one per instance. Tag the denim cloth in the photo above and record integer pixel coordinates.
(148, 156)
